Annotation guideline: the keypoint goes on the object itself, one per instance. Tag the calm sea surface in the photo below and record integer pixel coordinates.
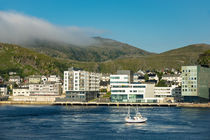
(81, 122)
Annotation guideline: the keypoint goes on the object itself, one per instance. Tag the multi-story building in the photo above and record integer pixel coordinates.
(21, 92)
(165, 92)
(81, 82)
(195, 83)
(123, 90)
(47, 89)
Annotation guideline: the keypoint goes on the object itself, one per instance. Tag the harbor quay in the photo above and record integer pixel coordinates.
(193, 105)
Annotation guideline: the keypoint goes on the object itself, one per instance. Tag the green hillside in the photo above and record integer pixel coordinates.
(187, 55)
(26, 62)
(204, 58)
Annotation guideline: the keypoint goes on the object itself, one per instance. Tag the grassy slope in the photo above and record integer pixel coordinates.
(172, 59)
(26, 62)
(15, 58)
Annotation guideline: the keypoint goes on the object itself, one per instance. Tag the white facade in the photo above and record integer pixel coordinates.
(54, 78)
(78, 80)
(162, 92)
(153, 77)
(173, 78)
(44, 79)
(128, 89)
(105, 77)
(119, 79)
(3, 90)
(123, 91)
(14, 79)
(44, 89)
(20, 92)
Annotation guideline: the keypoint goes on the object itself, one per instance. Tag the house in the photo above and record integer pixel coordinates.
(34, 79)
(21, 92)
(3, 90)
(54, 78)
(15, 79)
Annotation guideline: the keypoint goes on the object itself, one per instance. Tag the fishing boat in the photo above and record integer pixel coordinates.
(136, 119)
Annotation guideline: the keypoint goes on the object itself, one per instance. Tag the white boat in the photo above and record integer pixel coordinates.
(136, 119)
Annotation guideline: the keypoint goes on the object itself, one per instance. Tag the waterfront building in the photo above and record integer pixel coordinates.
(79, 80)
(21, 92)
(167, 93)
(127, 92)
(3, 90)
(47, 89)
(123, 90)
(82, 82)
(195, 83)
(79, 96)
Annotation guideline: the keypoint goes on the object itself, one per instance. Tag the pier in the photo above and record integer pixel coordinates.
(205, 105)
(115, 104)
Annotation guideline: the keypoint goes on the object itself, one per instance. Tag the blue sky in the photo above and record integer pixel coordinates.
(152, 25)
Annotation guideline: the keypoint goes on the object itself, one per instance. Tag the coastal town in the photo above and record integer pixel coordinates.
(191, 84)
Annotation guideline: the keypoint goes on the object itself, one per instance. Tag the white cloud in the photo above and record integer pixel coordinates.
(18, 28)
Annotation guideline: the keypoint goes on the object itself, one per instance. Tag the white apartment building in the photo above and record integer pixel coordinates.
(79, 80)
(21, 92)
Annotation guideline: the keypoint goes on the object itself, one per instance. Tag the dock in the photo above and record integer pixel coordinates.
(115, 104)
(201, 105)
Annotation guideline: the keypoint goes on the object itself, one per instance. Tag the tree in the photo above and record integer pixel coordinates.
(146, 77)
(204, 59)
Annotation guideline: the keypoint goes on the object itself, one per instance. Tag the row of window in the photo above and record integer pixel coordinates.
(129, 86)
(189, 85)
(134, 91)
(189, 90)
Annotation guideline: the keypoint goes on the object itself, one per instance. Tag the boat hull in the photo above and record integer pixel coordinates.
(142, 120)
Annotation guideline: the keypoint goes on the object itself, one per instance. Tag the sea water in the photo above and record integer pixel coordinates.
(101, 122)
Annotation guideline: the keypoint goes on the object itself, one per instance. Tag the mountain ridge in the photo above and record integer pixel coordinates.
(27, 61)
(103, 50)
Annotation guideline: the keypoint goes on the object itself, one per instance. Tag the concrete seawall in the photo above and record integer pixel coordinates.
(105, 104)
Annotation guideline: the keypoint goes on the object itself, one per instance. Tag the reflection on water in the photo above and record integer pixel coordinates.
(83, 122)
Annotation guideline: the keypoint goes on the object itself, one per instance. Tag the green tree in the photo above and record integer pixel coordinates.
(146, 77)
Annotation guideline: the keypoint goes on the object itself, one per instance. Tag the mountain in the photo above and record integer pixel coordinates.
(103, 50)
(176, 58)
(26, 62)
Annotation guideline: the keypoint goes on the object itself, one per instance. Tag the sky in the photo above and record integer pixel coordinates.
(152, 25)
